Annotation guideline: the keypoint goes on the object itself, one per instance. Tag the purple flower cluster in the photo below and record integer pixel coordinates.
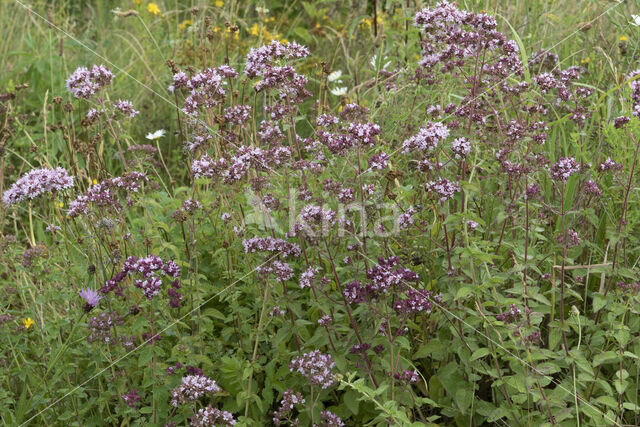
(461, 148)
(211, 417)
(101, 326)
(384, 276)
(634, 85)
(511, 315)
(84, 83)
(325, 320)
(271, 244)
(564, 168)
(262, 58)
(126, 108)
(407, 376)
(152, 268)
(427, 138)
(610, 165)
(132, 398)
(287, 404)
(37, 182)
(236, 168)
(591, 189)
(281, 270)
(205, 89)
(238, 114)
(105, 193)
(632, 288)
(452, 36)
(620, 121)
(339, 136)
(443, 188)
(416, 301)
(316, 366)
(331, 420)
(269, 62)
(379, 161)
(307, 277)
(191, 388)
(571, 239)
(406, 218)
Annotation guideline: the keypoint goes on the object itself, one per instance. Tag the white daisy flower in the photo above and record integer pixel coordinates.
(339, 91)
(335, 76)
(156, 135)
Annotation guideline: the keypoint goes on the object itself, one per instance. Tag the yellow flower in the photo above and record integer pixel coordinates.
(254, 30)
(219, 3)
(184, 24)
(28, 322)
(366, 22)
(153, 9)
(137, 1)
(623, 38)
(59, 204)
(585, 60)
(94, 181)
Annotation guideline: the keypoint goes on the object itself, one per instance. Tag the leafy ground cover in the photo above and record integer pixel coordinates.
(319, 213)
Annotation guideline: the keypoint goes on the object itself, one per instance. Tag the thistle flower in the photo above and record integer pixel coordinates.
(37, 182)
(90, 297)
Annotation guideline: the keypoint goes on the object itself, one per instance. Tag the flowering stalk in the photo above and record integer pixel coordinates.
(354, 325)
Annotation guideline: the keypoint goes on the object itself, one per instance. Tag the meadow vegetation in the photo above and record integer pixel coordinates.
(328, 213)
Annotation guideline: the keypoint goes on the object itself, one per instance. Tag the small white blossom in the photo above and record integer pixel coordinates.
(156, 135)
(339, 91)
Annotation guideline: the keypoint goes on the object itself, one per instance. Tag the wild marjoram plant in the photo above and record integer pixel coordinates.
(468, 266)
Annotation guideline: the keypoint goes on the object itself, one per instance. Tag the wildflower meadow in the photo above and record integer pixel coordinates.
(320, 213)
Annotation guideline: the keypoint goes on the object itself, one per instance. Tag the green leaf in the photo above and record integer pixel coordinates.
(481, 352)
(451, 378)
(604, 358)
(463, 292)
(145, 356)
(350, 399)
(599, 301)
